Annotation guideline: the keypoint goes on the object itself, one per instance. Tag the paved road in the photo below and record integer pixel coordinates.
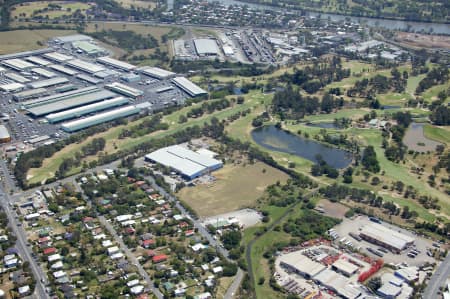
(235, 285)
(131, 257)
(438, 279)
(21, 246)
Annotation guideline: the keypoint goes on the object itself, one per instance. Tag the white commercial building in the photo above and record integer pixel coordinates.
(190, 88)
(206, 47)
(187, 163)
(301, 264)
(388, 238)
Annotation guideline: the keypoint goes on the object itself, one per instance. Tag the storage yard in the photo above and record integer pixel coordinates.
(67, 87)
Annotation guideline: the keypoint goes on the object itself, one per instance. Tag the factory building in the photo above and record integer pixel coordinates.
(12, 87)
(59, 97)
(190, 88)
(38, 60)
(72, 38)
(58, 57)
(71, 102)
(157, 73)
(88, 47)
(17, 78)
(4, 134)
(29, 94)
(390, 239)
(63, 69)
(185, 162)
(89, 79)
(43, 72)
(84, 110)
(48, 82)
(116, 63)
(125, 90)
(18, 64)
(206, 47)
(301, 265)
(338, 283)
(85, 66)
(131, 78)
(100, 118)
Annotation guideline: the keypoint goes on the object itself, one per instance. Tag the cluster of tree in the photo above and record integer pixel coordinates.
(322, 167)
(396, 150)
(309, 225)
(339, 140)
(93, 147)
(441, 115)
(147, 126)
(260, 119)
(436, 76)
(128, 40)
(209, 107)
(312, 78)
(231, 239)
(369, 160)
(369, 88)
(291, 103)
(442, 229)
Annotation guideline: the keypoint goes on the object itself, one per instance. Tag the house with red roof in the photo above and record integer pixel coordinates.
(159, 258)
(189, 233)
(50, 250)
(148, 243)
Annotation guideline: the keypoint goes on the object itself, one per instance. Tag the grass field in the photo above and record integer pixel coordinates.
(28, 9)
(237, 186)
(26, 40)
(441, 134)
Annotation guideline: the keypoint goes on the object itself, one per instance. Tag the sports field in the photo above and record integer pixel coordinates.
(237, 186)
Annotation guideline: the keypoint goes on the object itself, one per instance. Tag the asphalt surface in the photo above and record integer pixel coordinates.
(21, 246)
(438, 279)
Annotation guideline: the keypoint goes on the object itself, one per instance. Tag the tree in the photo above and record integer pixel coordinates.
(374, 284)
(231, 239)
(369, 160)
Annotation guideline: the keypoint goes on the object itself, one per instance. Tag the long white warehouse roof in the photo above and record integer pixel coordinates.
(99, 118)
(17, 77)
(18, 64)
(43, 72)
(48, 82)
(38, 60)
(71, 102)
(157, 72)
(125, 89)
(80, 111)
(302, 263)
(183, 160)
(387, 236)
(55, 56)
(116, 63)
(191, 88)
(59, 96)
(85, 66)
(10, 87)
(63, 69)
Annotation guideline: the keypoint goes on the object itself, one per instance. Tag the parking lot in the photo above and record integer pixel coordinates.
(421, 245)
(23, 127)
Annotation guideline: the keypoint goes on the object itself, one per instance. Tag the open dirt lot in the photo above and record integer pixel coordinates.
(332, 209)
(245, 217)
(236, 187)
(423, 40)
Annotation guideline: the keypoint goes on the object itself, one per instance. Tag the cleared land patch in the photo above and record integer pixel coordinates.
(52, 9)
(237, 186)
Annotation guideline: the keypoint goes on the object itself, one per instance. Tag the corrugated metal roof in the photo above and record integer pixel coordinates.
(387, 236)
(157, 72)
(48, 82)
(116, 63)
(188, 86)
(71, 102)
(205, 46)
(4, 134)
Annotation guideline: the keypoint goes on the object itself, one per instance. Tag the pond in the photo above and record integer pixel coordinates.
(415, 139)
(276, 139)
(324, 125)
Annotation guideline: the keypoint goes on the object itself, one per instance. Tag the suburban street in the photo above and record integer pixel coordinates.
(438, 279)
(131, 257)
(21, 246)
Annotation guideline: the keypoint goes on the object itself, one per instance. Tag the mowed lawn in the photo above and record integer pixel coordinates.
(26, 40)
(27, 9)
(236, 187)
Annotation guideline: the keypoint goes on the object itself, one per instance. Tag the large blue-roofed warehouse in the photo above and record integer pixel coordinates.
(187, 163)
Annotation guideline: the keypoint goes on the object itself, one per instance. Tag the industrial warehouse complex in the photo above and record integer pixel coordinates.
(187, 163)
(388, 238)
(66, 89)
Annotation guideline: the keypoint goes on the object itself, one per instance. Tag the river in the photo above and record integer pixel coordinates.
(279, 140)
(424, 27)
